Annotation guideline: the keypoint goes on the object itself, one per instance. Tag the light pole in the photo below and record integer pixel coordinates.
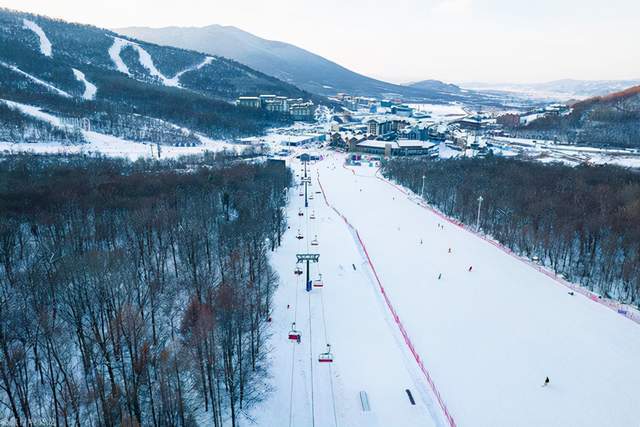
(480, 199)
(422, 191)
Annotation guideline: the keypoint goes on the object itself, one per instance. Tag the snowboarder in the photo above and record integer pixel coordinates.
(439, 276)
(470, 267)
(546, 382)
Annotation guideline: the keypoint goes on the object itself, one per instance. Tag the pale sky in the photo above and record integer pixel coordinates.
(409, 40)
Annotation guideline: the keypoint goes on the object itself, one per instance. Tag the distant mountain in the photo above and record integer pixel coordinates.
(436, 86)
(287, 62)
(561, 90)
(127, 87)
(610, 120)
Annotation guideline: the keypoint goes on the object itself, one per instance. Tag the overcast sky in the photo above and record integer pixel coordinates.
(409, 40)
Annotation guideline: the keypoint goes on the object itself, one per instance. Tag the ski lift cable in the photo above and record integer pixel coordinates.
(326, 339)
(293, 350)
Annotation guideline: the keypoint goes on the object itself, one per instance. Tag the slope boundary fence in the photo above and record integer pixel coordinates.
(434, 389)
(620, 308)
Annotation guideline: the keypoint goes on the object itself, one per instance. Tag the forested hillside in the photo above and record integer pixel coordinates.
(135, 294)
(583, 222)
(78, 71)
(611, 120)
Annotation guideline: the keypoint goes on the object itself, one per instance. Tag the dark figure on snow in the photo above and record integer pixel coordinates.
(449, 250)
(546, 382)
(439, 276)
(470, 267)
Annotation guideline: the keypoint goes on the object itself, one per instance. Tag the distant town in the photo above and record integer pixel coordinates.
(298, 108)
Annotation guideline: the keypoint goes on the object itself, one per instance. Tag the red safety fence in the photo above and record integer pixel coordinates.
(622, 309)
(394, 314)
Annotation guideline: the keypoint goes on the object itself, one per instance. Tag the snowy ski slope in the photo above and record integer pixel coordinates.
(488, 338)
(45, 44)
(347, 313)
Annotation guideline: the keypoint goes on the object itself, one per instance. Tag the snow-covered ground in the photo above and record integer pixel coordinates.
(90, 89)
(572, 155)
(108, 145)
(147, 62)
(441, 112)
(488, 337)
(36, 80)
(347, 313)
(45, 44)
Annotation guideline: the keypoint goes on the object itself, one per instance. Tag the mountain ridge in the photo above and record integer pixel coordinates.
(81, 71)
(286, 61)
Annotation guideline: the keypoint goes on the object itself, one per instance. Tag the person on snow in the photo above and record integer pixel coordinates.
(470, 267)
(439, 276)
(546, 382)
(449, 250)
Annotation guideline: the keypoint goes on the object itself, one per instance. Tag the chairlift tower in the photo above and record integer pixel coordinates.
(308, 258)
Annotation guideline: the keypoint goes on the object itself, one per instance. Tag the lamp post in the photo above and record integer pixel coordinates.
(480, 199)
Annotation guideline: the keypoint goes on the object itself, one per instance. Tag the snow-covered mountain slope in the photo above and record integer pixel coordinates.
(57, 136)
(40, 57)
(90, 89)
(45, 44)
(488, 337)
(290, 63)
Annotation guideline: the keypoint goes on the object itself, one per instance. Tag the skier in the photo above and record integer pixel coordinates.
(449, 250)
(546, 382)
(470, 267)
(298, 339)
(439, 276)
(571, 293)
(420, 241)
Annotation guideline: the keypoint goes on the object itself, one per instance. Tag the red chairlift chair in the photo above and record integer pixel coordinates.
(318, 283)
(326, 357)
(294, 335)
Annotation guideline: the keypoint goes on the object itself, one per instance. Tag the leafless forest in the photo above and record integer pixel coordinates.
(583, 222)
(135, 293)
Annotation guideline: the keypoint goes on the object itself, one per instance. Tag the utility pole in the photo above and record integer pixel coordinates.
(422, 191)
(308, 258)
(306, 180)
(480, 199)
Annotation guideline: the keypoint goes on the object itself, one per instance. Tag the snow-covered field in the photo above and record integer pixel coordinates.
(488, 337)
(98, 143)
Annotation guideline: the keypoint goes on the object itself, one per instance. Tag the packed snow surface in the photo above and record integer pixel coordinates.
(90, 89)
(114, 53)
(45, 44)
(147, 62)
(489, 337)
(175, 81)
(36, 80)
(98, 143)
